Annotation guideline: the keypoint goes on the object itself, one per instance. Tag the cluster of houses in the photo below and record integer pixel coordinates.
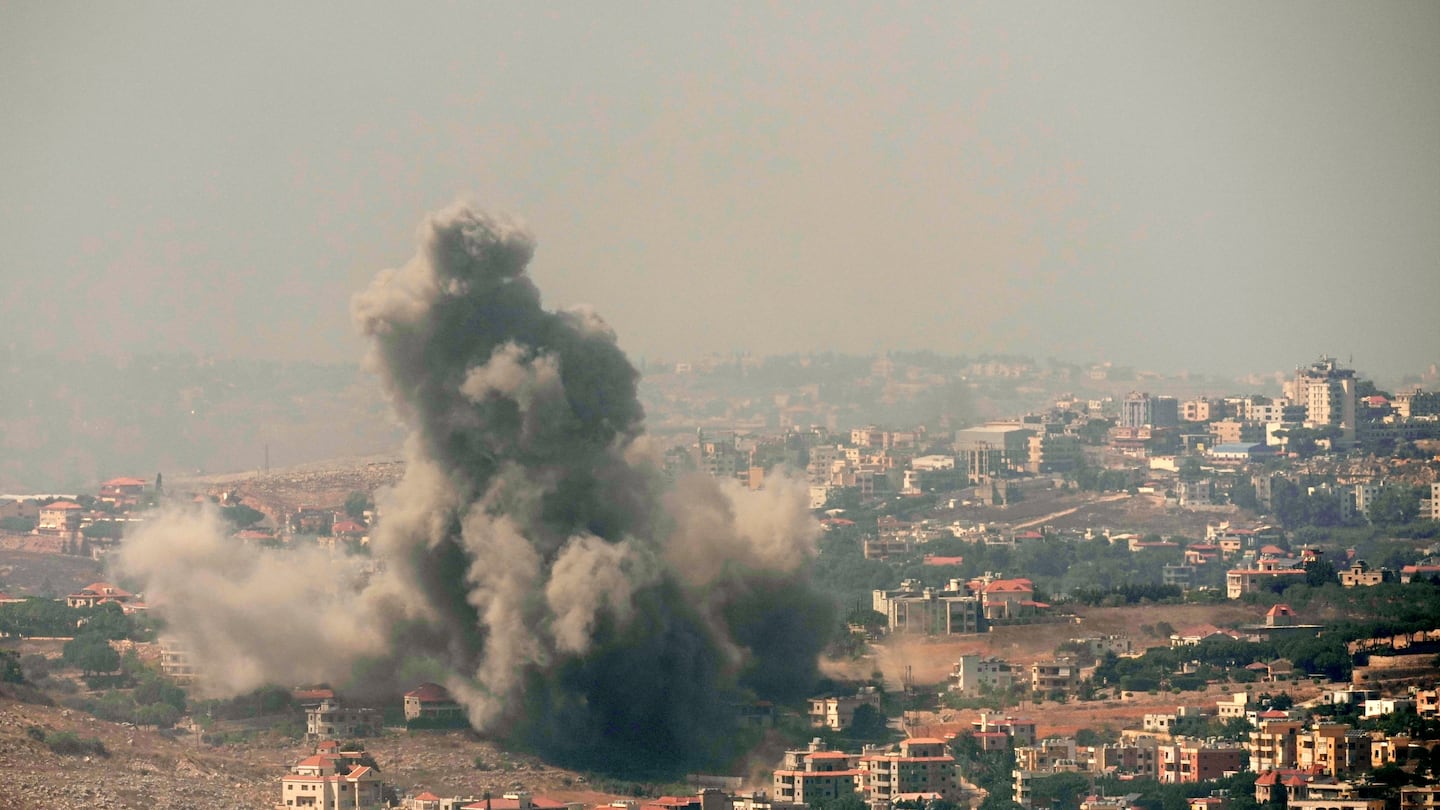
(958, 607)
(918, 769)
(337, 778)
(1308, 757)
(63, 524)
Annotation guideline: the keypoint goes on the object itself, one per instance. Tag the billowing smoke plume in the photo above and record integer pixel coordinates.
(572, 599)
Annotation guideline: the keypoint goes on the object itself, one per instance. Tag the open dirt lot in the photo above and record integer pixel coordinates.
(928, 662)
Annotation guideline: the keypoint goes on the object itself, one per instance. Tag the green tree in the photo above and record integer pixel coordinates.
(1060, 791)
(356, 504)
(1395, 505)
(869, 723)
(91, 654)
(18, 525)
(241, 516)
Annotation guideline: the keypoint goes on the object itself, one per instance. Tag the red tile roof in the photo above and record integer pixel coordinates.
(65, 505)
(1019, 585)
(935, 559)
(430, 693)
(124, 482)
(103, 589)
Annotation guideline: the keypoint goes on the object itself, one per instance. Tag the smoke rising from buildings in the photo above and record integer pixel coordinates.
(576, 601)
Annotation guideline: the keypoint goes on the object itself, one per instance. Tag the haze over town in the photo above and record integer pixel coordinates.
(803, 407)
(1211, 187)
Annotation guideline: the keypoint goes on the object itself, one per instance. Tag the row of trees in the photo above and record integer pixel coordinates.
(48, 617)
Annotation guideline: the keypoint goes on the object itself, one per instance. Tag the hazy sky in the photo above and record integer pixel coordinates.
(1211, 186)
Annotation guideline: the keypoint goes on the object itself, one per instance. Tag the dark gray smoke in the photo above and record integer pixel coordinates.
(532, 552)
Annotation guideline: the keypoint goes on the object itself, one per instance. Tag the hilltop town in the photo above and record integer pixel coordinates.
(1067, 587)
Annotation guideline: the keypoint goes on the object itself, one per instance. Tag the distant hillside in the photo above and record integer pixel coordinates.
(67, 424)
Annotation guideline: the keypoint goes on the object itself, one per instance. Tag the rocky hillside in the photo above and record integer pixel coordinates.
(143, 769)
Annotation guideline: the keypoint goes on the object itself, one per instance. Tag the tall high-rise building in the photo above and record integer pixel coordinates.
(1327, 393)
(1141, 410)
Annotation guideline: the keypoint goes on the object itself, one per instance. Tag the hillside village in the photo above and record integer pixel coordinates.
(1104, 601)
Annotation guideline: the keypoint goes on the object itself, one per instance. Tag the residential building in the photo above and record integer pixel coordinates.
(1196, 410)
(1416, 404)
(1333, 748)
(98, 593)
(993, 449)
(330, 720)
(1322, 793)
(1427, 702)
(1274, 745)
(1006, 598)
(122, 493)
(1051, 755)
(1327, 392)
(922, 765)
(1234, 705)
(1360, 575)
(1100, 646)
(1053, 452)
(1139, 756)
(1061, 675)
(1020, 730)
(59, 518)
(175, 661)
(1265, 573)
(815, 774)
(924, 610)
(431, 703)
(1143, 410)
(1379, 707)
(332, 781)
(1241, 453)
(1418, 797)
(1195, 761)
(974, 674)
(837, 713)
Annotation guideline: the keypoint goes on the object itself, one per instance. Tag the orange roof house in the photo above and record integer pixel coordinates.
(98, 593)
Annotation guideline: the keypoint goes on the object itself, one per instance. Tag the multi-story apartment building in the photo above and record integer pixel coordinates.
(975, 673)
(993, 449)
(922, 765)
(1328, 393)
(1060, 675)
(332, 781)
(1418, 797)
(1194, 761)
(1020, 730)
(60, 518)
(1050, 756)
(1142, 410)
(814, 773)
(1274, 745)
(331, 721)
(923, 610)
(838, 712)
(1196, 410)
(1139, 756)
(1262, 574)
(1053, 452)
(1416, 404)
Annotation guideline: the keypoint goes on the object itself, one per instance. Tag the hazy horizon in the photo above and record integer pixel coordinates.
(1222, 188)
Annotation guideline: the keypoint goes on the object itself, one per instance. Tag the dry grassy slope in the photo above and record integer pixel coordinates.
(147, 770)
(28, 573)
(929, 662)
